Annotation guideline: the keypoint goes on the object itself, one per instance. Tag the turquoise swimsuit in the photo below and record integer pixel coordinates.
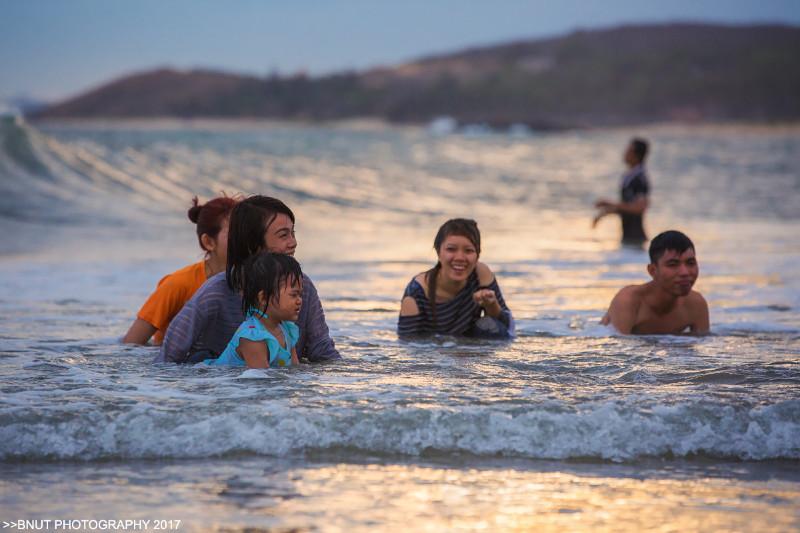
(253, 330)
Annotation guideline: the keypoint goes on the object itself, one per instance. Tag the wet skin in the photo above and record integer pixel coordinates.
(665, 305)
(459, 258)
(284, 306)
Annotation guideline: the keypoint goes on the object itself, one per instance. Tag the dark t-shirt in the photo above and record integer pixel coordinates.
(634, 184)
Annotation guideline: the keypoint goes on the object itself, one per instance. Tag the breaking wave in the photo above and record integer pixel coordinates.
(616, 431)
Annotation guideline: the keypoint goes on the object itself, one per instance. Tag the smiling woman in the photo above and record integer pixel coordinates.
(207, 322)
(175, 289)
(458, 296)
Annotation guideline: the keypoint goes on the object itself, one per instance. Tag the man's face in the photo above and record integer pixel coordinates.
(279, 237)
(675, 272)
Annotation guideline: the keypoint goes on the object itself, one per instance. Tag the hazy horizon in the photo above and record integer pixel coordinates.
(57, 50)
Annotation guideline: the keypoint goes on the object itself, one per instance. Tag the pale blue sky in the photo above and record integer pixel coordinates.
(57, 48)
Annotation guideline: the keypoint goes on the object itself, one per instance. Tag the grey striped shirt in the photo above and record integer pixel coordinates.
(202, 329)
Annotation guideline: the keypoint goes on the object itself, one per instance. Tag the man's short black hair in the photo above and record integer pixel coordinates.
(639, 146)
(669, 240)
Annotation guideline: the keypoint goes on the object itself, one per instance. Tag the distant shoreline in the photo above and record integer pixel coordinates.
(369, 123)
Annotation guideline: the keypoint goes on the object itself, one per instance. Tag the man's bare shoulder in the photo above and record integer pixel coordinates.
(624, 308)
(695, 300)
(696, 306)
(632, 294)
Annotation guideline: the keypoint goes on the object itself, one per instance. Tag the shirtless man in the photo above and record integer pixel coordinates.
(667, 305)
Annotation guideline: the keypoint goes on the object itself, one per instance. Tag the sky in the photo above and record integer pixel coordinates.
(54, 49)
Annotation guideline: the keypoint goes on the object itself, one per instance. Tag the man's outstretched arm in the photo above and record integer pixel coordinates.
(635, 207)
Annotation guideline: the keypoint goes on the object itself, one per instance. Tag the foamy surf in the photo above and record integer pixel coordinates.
(619, 431)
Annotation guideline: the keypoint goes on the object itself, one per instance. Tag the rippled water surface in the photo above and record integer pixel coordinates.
(566, 427)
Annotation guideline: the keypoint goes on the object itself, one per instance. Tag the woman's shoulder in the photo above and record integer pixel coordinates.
(308, 285)
(484, 274)
(216, 291)
(179, 287)
(190, 276)
(417, 285)
(174, 290)
(193, 270)
(414, 296)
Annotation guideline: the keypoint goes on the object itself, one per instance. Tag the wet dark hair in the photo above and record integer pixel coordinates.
(463, 227)
(267, 272)
(639, 146)
(210, 215)
(669, 240)
(249, 222)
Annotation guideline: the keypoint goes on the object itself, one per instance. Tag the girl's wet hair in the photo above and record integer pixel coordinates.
(249, 222)
(210, 215)
(267, 272)
(463, 227)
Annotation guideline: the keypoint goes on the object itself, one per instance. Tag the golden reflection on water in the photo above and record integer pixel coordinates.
(349, 497)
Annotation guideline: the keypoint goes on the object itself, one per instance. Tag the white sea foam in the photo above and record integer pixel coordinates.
(607, 431)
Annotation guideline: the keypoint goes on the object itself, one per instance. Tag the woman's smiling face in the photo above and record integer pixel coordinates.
(279, 237)
(458, 257)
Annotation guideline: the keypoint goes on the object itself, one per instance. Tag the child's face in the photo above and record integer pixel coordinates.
(288, 306)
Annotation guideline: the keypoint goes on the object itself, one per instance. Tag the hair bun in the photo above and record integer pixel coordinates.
(194, 211)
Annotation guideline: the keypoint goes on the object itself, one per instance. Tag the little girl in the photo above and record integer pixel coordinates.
(271, 300)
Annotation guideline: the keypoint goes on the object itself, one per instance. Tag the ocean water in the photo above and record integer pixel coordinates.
(568, 426)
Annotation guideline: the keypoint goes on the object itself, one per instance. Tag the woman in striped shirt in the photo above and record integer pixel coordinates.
(458, 296)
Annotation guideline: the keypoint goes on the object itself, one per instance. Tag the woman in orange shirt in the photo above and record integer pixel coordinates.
(175, 289)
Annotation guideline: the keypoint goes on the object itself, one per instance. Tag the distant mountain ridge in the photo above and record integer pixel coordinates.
(624, 75)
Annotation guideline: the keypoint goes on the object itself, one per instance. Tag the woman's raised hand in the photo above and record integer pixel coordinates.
(485, 297)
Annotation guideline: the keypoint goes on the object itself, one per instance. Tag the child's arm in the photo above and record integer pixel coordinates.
(295, 360)
(254, 353)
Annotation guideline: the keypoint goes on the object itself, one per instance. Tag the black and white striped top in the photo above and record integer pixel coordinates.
(456, 316)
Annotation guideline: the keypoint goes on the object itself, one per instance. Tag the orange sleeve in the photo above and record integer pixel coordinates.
(172, 292)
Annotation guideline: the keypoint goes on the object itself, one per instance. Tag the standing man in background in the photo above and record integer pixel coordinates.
(633, 196)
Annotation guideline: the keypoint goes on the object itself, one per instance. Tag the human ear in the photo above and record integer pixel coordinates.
(262, 302)
(209, 244)
(651, 269)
